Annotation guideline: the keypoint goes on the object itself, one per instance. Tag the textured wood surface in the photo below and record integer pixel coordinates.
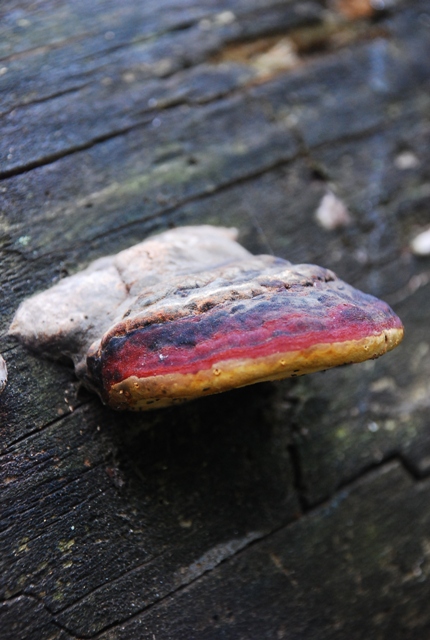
(288, 510)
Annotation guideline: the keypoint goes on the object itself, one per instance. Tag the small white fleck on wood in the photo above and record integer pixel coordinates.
(332, 213)
(282, 56)
(420, 245)
(406, 160)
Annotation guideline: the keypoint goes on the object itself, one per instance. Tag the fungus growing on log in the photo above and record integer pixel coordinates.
(190, 312)
(3, 374)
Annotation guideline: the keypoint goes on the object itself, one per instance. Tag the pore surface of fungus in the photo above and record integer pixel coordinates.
(190, 312)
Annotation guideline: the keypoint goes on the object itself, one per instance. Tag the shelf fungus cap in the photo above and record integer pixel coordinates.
(3, 374)
(190, 312)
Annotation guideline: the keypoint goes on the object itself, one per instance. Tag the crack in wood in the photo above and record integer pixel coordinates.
(170, 593)
(197, 197)
(63, 515)
(25, 436)
(38, 600)
(111, 135)
(117, 579)
(51, 158)
(92, 142)
(348, 485)
(43, 99)
(303, 152)
(41, 49)
(60, 44)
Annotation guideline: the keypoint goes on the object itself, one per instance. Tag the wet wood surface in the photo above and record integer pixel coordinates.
(297, 509)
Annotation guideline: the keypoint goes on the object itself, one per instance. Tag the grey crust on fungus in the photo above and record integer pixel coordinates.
(3, 374)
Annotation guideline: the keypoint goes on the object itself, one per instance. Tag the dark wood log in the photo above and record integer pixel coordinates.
(288, 510)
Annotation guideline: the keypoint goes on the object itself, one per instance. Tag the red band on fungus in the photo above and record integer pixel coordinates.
(190, 344)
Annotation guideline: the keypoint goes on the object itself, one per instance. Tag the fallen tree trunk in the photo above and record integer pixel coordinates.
(289, 509)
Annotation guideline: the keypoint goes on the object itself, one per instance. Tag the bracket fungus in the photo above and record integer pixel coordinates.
(190, 312)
